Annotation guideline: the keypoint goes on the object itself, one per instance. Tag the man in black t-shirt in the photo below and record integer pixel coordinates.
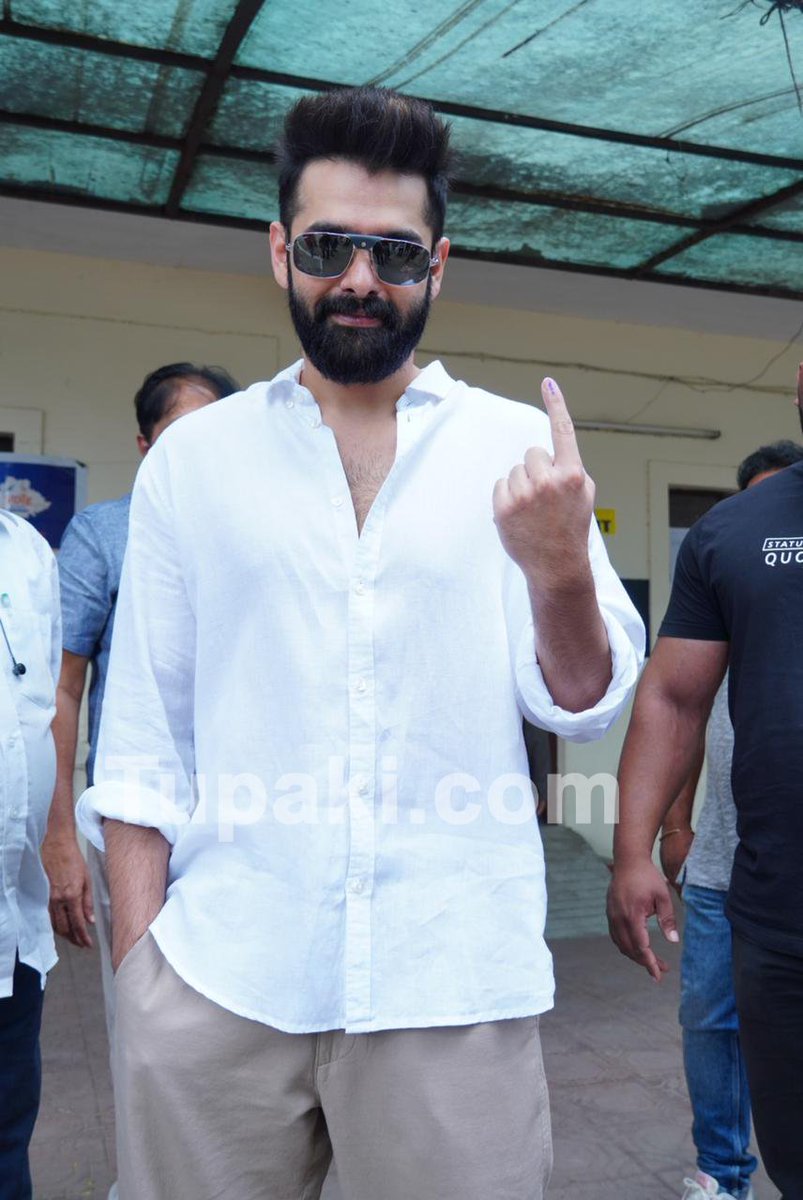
(737, 596)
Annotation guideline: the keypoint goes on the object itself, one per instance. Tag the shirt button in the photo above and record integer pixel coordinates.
(359, 588)
(356, 886)
(360, 686)
(290, 403)
(337, 501)
(315, 422)
(364, 788)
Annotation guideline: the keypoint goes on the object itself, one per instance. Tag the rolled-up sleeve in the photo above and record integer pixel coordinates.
(145, 762)
(85, 593)
(626, 638)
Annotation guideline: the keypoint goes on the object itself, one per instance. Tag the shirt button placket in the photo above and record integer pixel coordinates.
(362, 765)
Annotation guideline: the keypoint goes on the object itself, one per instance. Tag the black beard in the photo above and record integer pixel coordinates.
(351, 355)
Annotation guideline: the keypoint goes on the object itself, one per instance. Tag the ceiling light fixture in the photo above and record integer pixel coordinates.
(709, 435)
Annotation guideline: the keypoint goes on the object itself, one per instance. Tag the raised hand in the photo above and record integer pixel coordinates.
(544, 507)
(543, 513)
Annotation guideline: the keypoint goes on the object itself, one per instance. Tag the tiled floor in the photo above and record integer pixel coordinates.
(612, 1048)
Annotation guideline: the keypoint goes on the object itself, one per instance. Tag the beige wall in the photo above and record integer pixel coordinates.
(78, 334)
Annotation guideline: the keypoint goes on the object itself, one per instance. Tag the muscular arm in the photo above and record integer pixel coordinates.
(136, 863)
(660, 751)
(676, 831)
(71, 910)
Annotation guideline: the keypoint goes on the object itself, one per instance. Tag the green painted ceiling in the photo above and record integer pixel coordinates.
(652, 139)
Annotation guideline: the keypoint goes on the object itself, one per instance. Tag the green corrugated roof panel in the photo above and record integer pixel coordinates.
(787, 217)
(92, 88)
(765, 120)
(638, 176)
(86, 166)
(588, 133)
(642, 67)
(554, 236)
(250, 114)
(187, 26)
(721, 258)
(645, 67)
(248, 190)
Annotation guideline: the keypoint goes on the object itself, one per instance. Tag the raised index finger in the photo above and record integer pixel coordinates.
(567, 452)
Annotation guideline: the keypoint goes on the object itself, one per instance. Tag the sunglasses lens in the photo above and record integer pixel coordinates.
(325, 255)
(400, 263)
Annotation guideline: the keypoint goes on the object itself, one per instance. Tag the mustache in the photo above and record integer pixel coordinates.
(351, 306)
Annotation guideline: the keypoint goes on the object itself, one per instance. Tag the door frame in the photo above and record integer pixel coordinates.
(26, 426)
(661, 476)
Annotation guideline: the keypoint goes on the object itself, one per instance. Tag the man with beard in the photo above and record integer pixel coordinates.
(736, 602)
(326, 873)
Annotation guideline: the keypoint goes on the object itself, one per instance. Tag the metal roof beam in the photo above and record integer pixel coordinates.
(734, 222)
(95, 45)
(11, 28)
(244, 16)
(585, 204)
(89, 129)
(73, 200)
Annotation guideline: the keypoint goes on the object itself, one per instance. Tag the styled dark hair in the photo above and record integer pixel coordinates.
(377, 128)
(159, 390)
(774, 457)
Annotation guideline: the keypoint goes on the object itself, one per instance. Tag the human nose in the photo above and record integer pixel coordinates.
(360, 276)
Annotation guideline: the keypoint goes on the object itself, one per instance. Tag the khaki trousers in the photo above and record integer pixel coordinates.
(103, 930)
(211, 1106)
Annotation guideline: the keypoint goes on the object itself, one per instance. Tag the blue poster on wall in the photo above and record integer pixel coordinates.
(46, 491)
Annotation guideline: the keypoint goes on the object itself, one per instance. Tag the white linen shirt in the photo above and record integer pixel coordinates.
(323, 724)
(29, 609)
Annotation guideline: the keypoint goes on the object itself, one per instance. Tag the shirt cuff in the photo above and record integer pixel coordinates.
(592, 723)
(75, 644)
(131, 805)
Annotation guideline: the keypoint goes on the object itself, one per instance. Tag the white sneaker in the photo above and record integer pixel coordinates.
(702, 1187)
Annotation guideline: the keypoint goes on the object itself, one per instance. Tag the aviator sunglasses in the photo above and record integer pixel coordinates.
(396, 262)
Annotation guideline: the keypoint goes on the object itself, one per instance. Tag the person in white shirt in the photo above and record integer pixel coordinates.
(342, 591)
(30, 652)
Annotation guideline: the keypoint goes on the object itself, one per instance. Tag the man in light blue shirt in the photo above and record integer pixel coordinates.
(30, 649)
(90, 563)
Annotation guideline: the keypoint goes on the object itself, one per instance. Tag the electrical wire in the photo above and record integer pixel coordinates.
(696, 383)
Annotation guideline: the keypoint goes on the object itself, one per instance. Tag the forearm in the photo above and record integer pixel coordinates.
(677, 836)
(136, 864)
(571, 641)
(65, 735)
(678, 815)
(655, 770)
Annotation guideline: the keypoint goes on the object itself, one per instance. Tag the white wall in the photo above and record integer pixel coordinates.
(77, 335)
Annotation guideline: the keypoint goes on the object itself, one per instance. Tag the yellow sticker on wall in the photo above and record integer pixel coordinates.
(606, 519)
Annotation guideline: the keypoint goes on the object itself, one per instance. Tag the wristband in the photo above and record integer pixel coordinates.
(668, 833)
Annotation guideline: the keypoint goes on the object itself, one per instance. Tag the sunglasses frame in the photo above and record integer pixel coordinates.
(364, 241)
